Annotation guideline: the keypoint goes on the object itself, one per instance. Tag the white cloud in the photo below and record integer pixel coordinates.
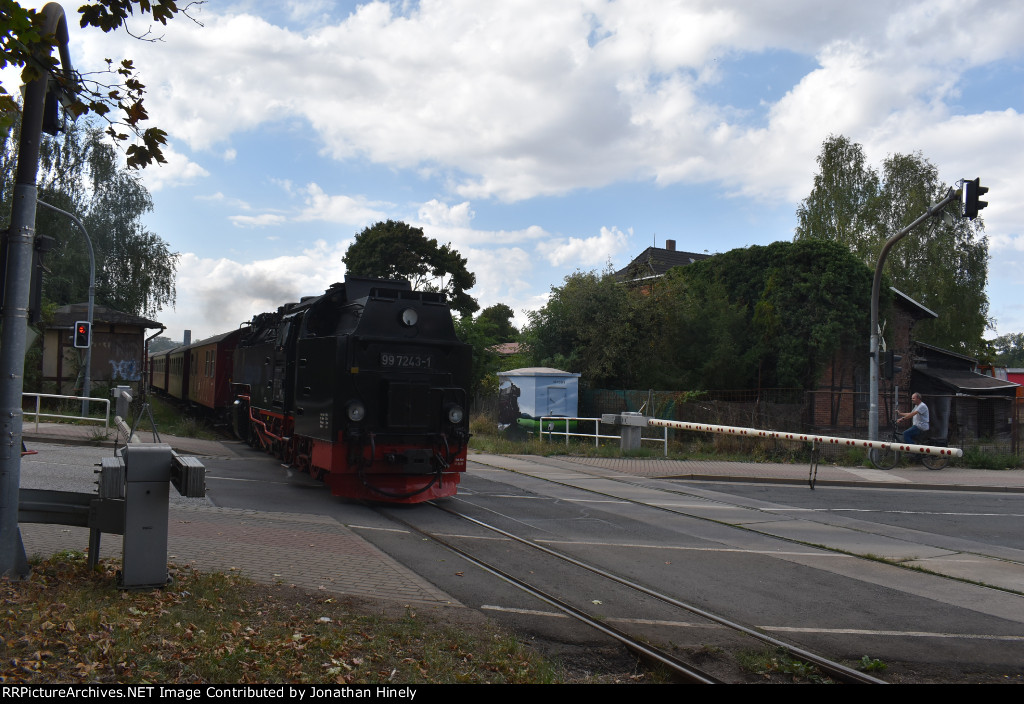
(179, 170)
(435, 212)
(585, 252)
(264, 220)
(598, 92)
(216, 295)
(452, 224)
(502, 276)
(219, 197)
(484, 102)
(351, 210)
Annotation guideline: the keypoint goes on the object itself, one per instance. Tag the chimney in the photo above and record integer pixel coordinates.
(670, 245)
(188, 338)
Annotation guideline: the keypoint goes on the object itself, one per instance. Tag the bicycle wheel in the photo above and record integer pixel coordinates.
(884, 458)
(934, 461)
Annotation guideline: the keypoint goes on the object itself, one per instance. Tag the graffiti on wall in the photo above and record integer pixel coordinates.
(125, 369)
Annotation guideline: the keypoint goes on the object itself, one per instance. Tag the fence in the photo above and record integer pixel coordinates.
(554, 421)
(39, 414)
(989, 423)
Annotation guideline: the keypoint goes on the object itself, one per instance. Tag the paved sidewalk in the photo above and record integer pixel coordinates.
(311, 552)
(95, 435)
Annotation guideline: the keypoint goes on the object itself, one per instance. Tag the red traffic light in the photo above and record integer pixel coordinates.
(83, 331)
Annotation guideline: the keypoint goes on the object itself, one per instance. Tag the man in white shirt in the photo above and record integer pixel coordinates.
(921, 420)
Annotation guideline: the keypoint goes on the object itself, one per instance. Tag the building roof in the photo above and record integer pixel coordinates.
(655, 261)
(967, 382)
(933, 353)
(537, 371)
(918, 311)
(67, 316)
(506, 348)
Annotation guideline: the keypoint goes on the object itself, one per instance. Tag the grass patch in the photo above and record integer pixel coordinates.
(977, 458)
(773, 663)
(69, 624)
(170, 419)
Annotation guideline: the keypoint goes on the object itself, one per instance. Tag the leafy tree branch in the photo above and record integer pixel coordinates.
(119, 101)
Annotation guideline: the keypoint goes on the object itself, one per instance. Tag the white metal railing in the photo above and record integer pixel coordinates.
(38, 413)
(596, 434)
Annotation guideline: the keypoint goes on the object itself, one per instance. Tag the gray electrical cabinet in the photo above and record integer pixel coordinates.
(147, 490)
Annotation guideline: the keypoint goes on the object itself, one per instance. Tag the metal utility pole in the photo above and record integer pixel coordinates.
(876, 286)
(20, 241)
(87, 385)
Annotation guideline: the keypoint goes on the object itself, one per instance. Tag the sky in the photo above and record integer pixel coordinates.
(540, 138)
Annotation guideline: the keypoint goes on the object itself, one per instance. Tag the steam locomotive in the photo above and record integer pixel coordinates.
(363, 387)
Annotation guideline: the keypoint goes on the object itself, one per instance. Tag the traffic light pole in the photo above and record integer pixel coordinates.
(21, 239)
(87, 384)
(876, 287)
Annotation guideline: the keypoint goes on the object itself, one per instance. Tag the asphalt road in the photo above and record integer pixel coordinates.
(749, 553)
(988, 518)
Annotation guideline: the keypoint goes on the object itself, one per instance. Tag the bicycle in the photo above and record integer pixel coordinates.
(888, 458)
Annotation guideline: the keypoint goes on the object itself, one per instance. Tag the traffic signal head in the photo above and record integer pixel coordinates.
(83, 334)
(890, 364)
(973, 190)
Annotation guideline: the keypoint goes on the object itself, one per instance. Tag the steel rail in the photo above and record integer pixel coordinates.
(835, 669)
(681, 669)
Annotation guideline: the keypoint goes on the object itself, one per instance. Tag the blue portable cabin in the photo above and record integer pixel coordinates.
(533, 392)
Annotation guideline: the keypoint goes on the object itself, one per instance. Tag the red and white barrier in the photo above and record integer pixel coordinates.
(800, 437)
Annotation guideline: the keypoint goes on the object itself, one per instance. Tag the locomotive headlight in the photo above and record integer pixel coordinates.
(455, 414)
(409, 317)
(356, 411)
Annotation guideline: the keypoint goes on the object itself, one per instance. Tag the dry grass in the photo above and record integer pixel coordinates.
(67, 624)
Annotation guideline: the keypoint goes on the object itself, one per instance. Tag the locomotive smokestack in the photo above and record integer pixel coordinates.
(188, 338)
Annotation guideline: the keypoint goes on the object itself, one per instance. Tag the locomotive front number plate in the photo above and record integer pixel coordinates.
(409, 361)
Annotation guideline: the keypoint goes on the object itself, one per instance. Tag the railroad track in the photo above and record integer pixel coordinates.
(679, 670)
(584, 469)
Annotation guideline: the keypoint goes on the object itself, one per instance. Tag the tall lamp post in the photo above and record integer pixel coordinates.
(876, 285)
(87, 385)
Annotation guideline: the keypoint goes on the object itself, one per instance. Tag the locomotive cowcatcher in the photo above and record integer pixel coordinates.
(363, 387)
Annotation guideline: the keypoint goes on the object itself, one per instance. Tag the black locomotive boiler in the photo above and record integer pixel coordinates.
(363, 387)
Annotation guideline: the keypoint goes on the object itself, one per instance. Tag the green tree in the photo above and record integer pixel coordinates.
(844, 199)
(585, 327)
(396, 250)
(1008, 350)
(759, 317)
(79, 172)
(500, 317)
(695, 337)
(481, 335)
(771, 316)
(942, 265)
(163, 344)
(115, 95)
